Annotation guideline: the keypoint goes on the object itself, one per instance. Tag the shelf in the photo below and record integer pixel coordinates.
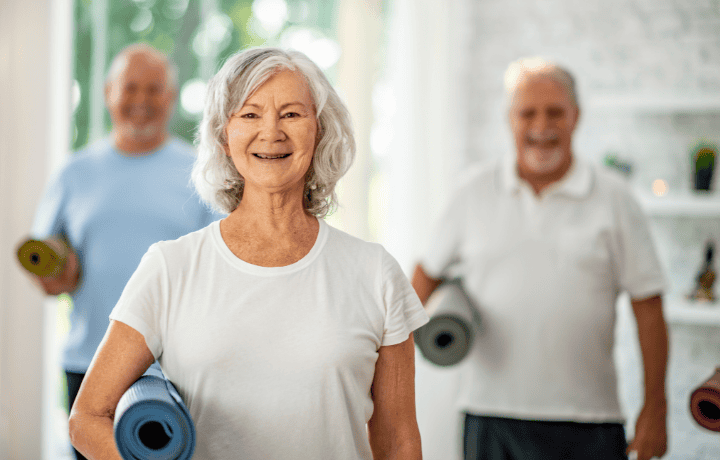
(658, 104)
(682, 205)
(679, 310)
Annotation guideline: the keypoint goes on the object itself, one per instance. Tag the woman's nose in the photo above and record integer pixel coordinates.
(270, 129)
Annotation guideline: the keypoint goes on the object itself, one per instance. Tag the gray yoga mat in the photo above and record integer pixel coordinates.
(152, 422)
(446, 339)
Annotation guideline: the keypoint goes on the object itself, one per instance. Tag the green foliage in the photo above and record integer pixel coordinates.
(704, 155)
(171, 26)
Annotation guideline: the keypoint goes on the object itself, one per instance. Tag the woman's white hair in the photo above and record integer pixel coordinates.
(214, 174)
(536, 66)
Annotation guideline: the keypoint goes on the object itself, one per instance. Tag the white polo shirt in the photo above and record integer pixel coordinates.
(545, 273)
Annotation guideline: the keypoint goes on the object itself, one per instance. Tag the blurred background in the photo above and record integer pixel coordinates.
(423, 81)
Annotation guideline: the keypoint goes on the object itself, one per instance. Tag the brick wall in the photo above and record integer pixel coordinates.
(614, 47)
(648, 74)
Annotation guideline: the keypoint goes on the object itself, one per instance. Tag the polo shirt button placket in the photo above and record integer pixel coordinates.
(535, 213)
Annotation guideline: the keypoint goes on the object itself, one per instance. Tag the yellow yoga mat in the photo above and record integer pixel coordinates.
(43, 257)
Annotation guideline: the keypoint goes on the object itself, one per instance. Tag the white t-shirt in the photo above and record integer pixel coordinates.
(272, 362)
(545, 274)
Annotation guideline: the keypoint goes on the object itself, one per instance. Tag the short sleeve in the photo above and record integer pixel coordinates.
(638, 267)
(143, 303)
(49, 217)
(403, 311)
(442, 248)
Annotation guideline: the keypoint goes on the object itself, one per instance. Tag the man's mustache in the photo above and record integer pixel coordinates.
(537, 137)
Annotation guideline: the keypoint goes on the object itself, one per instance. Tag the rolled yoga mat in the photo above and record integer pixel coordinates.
(43, 257)
(705, 403)
(446, 339)
(153, 423)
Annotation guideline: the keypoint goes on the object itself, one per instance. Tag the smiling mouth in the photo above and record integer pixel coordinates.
(543, 140)
(271, 157)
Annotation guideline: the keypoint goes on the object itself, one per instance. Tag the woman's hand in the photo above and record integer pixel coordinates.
(393, 428)
(121, 359)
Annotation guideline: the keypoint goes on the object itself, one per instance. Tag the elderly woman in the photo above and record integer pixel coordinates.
(283, 335)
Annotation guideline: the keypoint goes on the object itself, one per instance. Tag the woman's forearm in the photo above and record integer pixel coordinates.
(93, 437)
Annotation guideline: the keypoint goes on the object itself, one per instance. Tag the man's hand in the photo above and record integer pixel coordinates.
(650, 432)
(650, 428)
(67, 281)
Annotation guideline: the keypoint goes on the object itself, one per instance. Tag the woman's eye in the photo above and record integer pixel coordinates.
(248, 115)
(291, 115)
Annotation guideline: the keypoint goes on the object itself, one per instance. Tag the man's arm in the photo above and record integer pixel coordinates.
(650, 428)
(424, 284)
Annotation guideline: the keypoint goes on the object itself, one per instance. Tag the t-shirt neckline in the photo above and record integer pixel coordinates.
(251, 269)
(149, 154)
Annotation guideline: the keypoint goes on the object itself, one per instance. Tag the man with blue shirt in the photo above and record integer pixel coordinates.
(116, 197)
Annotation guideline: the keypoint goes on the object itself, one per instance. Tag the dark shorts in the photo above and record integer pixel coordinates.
(73, 386)
(496, 438)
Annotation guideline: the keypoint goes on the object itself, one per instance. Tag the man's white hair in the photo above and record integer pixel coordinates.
(536, 66)
(214, 175)
(120, 61)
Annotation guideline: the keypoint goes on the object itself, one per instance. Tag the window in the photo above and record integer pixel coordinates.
(198, 35)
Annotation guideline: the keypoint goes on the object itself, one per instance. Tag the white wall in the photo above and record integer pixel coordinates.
(34, 51)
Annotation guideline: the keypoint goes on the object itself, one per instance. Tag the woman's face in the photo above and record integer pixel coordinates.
(271, 139)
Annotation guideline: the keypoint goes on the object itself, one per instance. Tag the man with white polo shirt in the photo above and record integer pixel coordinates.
(544, 243)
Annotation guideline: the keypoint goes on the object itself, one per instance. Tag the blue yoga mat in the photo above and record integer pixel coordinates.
(153, 423)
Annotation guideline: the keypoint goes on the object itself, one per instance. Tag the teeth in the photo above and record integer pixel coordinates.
(271, 157)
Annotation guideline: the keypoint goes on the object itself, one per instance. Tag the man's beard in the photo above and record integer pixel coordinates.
(142, 132)
(543, 160)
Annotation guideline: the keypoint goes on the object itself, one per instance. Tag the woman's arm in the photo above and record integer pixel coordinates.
(393, 428)
(120, 360)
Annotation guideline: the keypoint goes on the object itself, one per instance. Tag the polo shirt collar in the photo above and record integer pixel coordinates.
(577, 182)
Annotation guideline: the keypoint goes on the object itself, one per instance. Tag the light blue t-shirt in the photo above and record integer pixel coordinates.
(111, 207)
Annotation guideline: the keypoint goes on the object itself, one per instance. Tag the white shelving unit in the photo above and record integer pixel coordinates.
(680, 310)
(696, 205)
(656, 104)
